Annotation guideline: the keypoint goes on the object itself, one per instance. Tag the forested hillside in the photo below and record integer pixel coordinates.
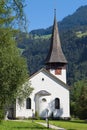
(73, 34)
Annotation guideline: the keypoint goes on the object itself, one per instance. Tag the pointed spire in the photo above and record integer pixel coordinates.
(55, 54)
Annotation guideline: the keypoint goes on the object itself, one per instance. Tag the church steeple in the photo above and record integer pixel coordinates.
(55, 54)
(56, 61)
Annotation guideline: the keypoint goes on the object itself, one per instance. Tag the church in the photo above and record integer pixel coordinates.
(50, 96)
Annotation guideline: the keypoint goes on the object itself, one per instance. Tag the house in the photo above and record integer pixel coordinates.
(50, 96)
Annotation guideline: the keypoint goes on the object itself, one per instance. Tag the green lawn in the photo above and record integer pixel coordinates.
(17, 125)
(29, 125)
(71, 125)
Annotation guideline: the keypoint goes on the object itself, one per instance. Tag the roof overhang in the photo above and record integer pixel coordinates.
(43, 93)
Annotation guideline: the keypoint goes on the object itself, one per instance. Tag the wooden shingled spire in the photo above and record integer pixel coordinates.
(55, 54)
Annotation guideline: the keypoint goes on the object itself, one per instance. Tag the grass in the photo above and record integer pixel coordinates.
(71, 125)
(42, 37)
(20, 125)
(29, 125)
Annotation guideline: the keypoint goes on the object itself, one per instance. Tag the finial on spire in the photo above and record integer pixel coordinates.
(55, 12)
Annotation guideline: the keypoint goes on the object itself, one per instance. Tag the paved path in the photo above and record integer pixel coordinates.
(51, 126)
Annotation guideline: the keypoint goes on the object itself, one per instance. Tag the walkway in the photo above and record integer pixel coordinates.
(51, 126)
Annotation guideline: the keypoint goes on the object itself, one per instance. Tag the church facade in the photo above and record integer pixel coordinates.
(50, 96)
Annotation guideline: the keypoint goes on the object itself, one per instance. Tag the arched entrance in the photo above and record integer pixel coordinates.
(41, 102)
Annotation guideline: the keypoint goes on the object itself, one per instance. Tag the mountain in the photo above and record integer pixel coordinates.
(76, 20)
(73, 34)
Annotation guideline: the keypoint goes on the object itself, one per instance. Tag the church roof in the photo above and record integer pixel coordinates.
(55, 54)
(51, 76)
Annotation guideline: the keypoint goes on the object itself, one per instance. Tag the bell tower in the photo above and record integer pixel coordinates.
(56, 61)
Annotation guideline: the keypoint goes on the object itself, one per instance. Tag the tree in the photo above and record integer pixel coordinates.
(13, 67)
(82, 102)
(79, 99)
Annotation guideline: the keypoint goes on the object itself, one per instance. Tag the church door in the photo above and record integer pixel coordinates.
(42, 106)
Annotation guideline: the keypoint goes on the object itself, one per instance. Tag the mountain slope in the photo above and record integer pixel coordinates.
(77, 19)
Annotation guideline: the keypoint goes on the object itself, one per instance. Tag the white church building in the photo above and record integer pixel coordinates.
(51, 92)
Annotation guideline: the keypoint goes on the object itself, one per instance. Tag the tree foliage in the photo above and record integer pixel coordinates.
(79, 99)
(13, 15)
(13, 67)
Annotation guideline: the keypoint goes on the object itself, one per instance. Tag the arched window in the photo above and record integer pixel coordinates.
(28, 103)
(57, 103)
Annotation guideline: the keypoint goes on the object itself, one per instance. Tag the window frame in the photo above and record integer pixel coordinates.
(28, 103)
(57, 103)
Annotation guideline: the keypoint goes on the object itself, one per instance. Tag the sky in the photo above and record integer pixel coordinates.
(40, 13)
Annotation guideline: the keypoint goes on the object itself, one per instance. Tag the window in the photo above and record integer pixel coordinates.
(58, 71)
(44, 100)
(57, 103)
(28, 103)
(42, 79)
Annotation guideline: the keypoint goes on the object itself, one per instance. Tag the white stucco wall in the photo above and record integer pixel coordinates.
(21, 111)
(62, 77)
(57, 91)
